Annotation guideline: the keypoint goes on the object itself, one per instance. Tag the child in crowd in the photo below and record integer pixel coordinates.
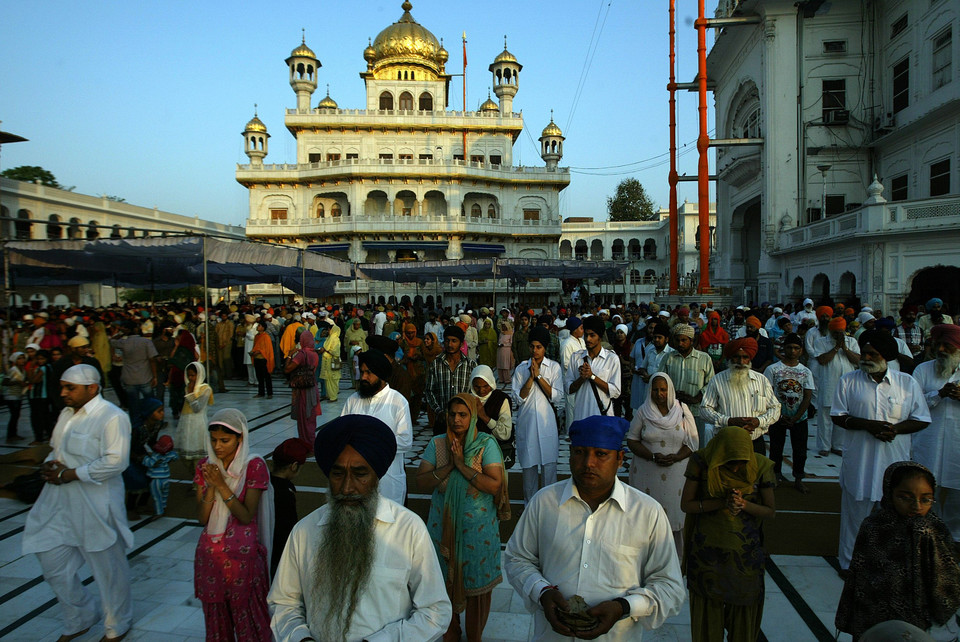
(288, 458)
(157, 464)
(14, 386)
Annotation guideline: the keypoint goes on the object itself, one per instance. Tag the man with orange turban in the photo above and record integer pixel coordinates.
(740, 396)
(835, 355)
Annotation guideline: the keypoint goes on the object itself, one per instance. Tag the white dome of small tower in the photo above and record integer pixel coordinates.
(303, 65)
(506, 78)
(255, 139)
(551, 144)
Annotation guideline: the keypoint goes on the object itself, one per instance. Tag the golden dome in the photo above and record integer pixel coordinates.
(328, 102)
(551, 130)
(406, 41)
(369, 54)
(255, 125)
(489, 105)
(505, 56)
(303, 50)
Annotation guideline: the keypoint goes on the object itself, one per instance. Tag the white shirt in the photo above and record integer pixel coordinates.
(88, 513)
(405, 598)
(606, 367)
(938, 445)
(789, 384)
(436, 328)
(392, 408)
(378, 322)
(538, 442)
(569, 346)
(903, 349)
(829, 374)
(896, 398)
(721, 401)
(742, 332)
(623, 549)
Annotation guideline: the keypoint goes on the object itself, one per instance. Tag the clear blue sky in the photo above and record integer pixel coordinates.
(147, 100)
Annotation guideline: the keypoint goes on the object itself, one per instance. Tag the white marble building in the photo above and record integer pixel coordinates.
(839, 93)
(392, 180)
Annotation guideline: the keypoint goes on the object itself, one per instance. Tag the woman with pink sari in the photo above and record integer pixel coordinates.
(302, 365)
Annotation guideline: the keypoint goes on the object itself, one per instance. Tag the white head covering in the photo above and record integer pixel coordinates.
(201, 378)
(485, 373)
(16, 355)
(82, 375)
(232, 420)
(621, 327)
(32, 345)
(677, 414)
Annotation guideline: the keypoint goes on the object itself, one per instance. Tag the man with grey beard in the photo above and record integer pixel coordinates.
(361, 567)
(938, 445)
(879, 409)
(740, 396)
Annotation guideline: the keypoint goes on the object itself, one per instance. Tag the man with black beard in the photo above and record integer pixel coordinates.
(740, 396)
(361, 567)
(375, 397)
(938, 445)
(876, 407)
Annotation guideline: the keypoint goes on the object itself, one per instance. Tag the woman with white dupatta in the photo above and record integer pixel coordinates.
(236, 508)
(662, 434)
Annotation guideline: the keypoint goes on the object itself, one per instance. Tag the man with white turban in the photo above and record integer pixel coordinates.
(80, 517)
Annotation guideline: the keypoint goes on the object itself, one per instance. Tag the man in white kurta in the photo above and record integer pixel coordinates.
(404, 597)
(572, 344)
(80, 517)
(536, 385)
(595, 368)
(880, 409)
(835, 355)
(938, 445)
(594, 536)
(377, 399)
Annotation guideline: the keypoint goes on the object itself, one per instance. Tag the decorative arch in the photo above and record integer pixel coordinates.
(74, 232)
(743, 118)
(566, 249)
(406, 101)
(798, 287)
(617, 251)
(434, 203)
(54, 229)
(386, 101)
(23, 227)
(405, 203)
(821, 289)
(426, 101)
(650, 250)
(848, 285)
(376, 203)
(596, 250)
(580, 250)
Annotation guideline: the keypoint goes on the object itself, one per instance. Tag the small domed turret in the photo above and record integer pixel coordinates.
(303, 66)
(489, 106)
(506, 78)
(255, 139)
(328, 102)
(551, 144)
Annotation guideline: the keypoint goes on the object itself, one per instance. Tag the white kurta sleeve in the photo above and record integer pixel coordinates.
(613, 381)
(709, 407)
(431, 611)
(521, 558)
(114, 452)
(555, 378)
(288, 616)
(404, 428)
(198, 402)
(772, 413)
(662, 593)
(502, 426)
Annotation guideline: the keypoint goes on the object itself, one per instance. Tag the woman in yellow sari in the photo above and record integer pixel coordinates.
(329, 351)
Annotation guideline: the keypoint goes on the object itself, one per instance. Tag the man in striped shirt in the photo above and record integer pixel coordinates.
(690, 370)
(742, 397)
(449, 375)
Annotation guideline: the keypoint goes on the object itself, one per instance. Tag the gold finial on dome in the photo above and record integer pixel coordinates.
(406, 6)
(303, 50)
(405, 42)
(488, 105)
(551, 129)
(255, 124)
(328, 102)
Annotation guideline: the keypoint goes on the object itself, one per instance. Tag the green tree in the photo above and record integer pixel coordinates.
(631, 203)
(32, 174)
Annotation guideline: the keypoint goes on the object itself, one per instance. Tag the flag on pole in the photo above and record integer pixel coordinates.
(464, 49)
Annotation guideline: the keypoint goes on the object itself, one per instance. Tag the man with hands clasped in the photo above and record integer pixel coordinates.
(597, 538)
(593, 376)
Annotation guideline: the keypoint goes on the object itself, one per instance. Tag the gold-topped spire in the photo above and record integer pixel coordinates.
(255, 124)
(551, 129)
(404, 42)
(303, 50)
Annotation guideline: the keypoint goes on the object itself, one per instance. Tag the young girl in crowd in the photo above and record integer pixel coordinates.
(13, 388)
(157, 464)
(192, 429)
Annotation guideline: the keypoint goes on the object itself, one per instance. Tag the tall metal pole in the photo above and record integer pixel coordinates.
(303, 278)
(703, 145)
(206, 304)
(672, 177)
(494, 286)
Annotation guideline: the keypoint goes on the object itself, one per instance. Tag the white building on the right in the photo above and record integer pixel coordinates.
(854, 194)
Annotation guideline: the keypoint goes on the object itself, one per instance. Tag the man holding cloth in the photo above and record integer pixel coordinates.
(593, 376)
(596, 537)
(375, 398)
(360, 566)
(80, 516)
(740, 396)
(878, 408)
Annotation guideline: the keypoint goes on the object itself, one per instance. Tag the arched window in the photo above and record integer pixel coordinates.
(319, 210)
(475, 210)
(649, 250)
(426, 102)
(23, 224)
(54, 230)
(386, 101)
(406, 101)
(74, 232)
(92, 232)
(115, 232)
(335, 210)
(491, 211)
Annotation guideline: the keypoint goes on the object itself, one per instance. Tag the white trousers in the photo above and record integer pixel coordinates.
(568, 415)
(111, 571)
(852, 513)
(829, 435)
(251, 375)
(531, 479)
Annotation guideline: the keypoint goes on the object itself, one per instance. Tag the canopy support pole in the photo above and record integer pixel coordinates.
(356, 285)
(116, 290)
(494, 285)
(206, 305)
(303, 278)
(7, 290)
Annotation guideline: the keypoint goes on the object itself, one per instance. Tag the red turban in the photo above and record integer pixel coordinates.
(824, 310)
(838, 323)
(753, 322)
(947, 333)
(747, 344)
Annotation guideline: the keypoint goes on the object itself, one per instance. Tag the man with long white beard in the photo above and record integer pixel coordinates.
(361, 567)
(740, 396)
(879, 409)
(376, 398)
(938, 445)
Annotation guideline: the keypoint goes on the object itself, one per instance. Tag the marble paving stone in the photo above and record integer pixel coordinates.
(164, 618)
(39, 628)
(798, 560)
(781, 623)
(508, 626)
(176, 592)
(193, 624)
(820, 586)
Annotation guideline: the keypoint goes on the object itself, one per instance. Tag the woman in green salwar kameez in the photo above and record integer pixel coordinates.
(728, 493)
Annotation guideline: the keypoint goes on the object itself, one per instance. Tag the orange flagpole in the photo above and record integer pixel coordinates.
(465, 157)
(672, 177)
(703, 144)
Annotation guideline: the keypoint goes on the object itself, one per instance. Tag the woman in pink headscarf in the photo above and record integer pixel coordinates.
(306, 399)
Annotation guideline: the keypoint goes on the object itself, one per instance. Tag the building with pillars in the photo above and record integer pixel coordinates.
(405, 178)
(854, 194)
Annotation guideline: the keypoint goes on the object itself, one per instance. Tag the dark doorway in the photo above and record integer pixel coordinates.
(941, 281)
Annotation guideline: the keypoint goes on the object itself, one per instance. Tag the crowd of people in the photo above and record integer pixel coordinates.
(697, 397)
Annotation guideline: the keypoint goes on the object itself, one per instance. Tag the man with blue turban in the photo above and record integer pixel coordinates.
(596, 537)
(935, 316)
(361, 566)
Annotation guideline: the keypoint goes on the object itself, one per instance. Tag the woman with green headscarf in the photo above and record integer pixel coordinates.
(464, 470)
(727, 494)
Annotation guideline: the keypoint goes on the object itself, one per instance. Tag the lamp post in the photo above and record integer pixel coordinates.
(823, 196)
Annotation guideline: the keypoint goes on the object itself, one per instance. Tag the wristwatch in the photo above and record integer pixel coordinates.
(593, 377)
(538, 377)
